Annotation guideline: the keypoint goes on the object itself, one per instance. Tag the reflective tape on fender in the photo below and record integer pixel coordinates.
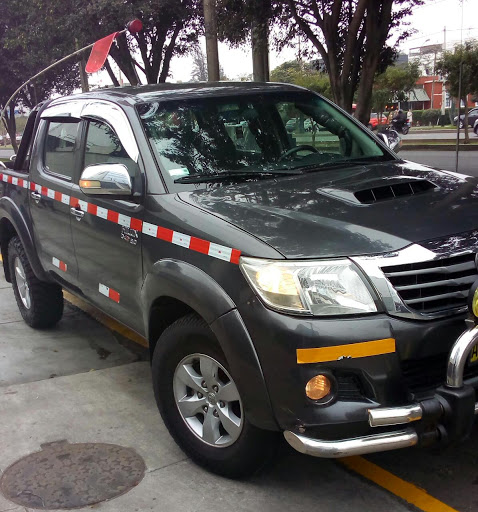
(192, 243)
(350, 351)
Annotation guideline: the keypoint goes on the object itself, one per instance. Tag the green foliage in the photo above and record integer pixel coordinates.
(449, 66)
(393, 85)
(303, 74)
(431, 117)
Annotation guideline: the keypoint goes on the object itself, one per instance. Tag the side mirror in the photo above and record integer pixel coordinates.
(106, 179)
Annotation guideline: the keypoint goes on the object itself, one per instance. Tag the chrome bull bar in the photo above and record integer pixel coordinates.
(390, 416)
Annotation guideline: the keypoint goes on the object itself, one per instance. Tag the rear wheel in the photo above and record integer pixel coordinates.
(40, 303)
(201, 405)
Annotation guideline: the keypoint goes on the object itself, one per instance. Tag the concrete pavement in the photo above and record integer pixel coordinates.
(94, 403)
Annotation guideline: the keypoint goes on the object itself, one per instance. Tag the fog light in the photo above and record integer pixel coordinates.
(318, 387)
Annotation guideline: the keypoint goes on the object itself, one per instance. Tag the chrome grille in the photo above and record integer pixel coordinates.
(434, 286)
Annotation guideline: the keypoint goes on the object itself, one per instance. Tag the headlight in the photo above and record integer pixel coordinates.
(317, 288)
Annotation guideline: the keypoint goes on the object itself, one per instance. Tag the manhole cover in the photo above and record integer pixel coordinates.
(69, 476)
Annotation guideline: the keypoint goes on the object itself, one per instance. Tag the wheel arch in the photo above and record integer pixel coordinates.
(174, 289)
(13, 223)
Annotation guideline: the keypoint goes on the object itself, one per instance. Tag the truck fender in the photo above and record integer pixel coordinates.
(193, 287)
(10, 211)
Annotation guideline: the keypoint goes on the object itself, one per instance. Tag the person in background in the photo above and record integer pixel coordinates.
(410, 117)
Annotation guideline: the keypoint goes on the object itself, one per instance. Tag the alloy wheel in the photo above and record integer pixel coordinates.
(22, 284)
(208, 400)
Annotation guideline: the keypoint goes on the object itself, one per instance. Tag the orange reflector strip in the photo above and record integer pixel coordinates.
(350, 351)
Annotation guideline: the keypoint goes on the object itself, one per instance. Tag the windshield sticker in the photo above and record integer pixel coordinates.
(182, 171)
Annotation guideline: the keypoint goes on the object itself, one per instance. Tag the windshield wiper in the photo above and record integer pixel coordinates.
(220, 176)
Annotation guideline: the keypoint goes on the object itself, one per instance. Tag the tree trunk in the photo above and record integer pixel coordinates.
(111, 74)
(260, 44)
(210, 26)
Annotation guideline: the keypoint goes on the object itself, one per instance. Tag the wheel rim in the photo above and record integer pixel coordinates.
(208, 400)
(22, 284)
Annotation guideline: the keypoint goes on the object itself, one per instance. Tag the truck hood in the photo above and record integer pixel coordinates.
(344, 212)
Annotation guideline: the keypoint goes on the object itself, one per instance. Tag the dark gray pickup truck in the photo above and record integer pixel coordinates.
(304, 281)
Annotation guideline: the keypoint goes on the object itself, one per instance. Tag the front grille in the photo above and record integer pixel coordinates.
(434, 286)
(428, 373)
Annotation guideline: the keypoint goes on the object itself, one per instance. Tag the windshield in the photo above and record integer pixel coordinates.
(252, 135)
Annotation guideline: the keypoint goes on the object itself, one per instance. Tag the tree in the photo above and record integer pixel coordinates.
(24, 52)
(199, 71)
(241, 21)
(303, 74)
(351, 37)
(466, 57)
(393, 85)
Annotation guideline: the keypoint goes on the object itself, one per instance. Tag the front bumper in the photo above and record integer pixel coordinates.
(447, 417)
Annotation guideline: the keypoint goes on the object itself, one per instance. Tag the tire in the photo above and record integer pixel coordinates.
(405, 130)
(40, 303)
(237, 452)
(475, 129)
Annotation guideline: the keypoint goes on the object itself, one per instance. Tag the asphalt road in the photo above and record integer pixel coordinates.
(6, 153)
(467, 161)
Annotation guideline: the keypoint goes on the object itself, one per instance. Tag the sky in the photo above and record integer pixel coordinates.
(427, 20)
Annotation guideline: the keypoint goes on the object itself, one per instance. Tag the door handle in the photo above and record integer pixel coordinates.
(36, 196)
(77, 213)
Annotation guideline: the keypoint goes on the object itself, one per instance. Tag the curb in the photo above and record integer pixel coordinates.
(438, 147)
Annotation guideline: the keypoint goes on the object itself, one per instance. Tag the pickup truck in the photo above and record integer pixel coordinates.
(315, 286)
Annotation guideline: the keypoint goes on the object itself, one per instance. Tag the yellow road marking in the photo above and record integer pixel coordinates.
(352, 350)
(104, 319)
(405, 490)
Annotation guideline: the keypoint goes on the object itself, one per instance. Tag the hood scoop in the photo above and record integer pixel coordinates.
(404, 188)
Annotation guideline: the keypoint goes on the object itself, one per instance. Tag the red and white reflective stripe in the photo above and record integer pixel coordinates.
(108, 292)
(168, 235)
(19, 182)
(60, 264)
(193, 243)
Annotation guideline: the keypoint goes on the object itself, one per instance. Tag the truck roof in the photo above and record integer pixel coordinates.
(147, 93)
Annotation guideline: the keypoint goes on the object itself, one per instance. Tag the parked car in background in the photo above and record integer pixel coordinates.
(475, 127)
(472, 118)
(374, 120)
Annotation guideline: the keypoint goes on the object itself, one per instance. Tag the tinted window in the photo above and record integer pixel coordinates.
(252, 133)
(104, 146)
(59, 148)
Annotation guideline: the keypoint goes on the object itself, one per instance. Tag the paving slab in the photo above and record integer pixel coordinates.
(77, 344)
(117, 406)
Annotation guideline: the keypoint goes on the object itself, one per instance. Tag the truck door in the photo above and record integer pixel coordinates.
(53, 161)
(107, 237)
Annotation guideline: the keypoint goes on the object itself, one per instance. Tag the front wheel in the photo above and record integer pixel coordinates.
(201, 405)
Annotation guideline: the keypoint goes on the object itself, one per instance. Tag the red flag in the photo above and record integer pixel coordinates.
(99, 52)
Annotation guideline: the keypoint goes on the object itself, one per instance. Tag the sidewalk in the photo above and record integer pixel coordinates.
(96, 403)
